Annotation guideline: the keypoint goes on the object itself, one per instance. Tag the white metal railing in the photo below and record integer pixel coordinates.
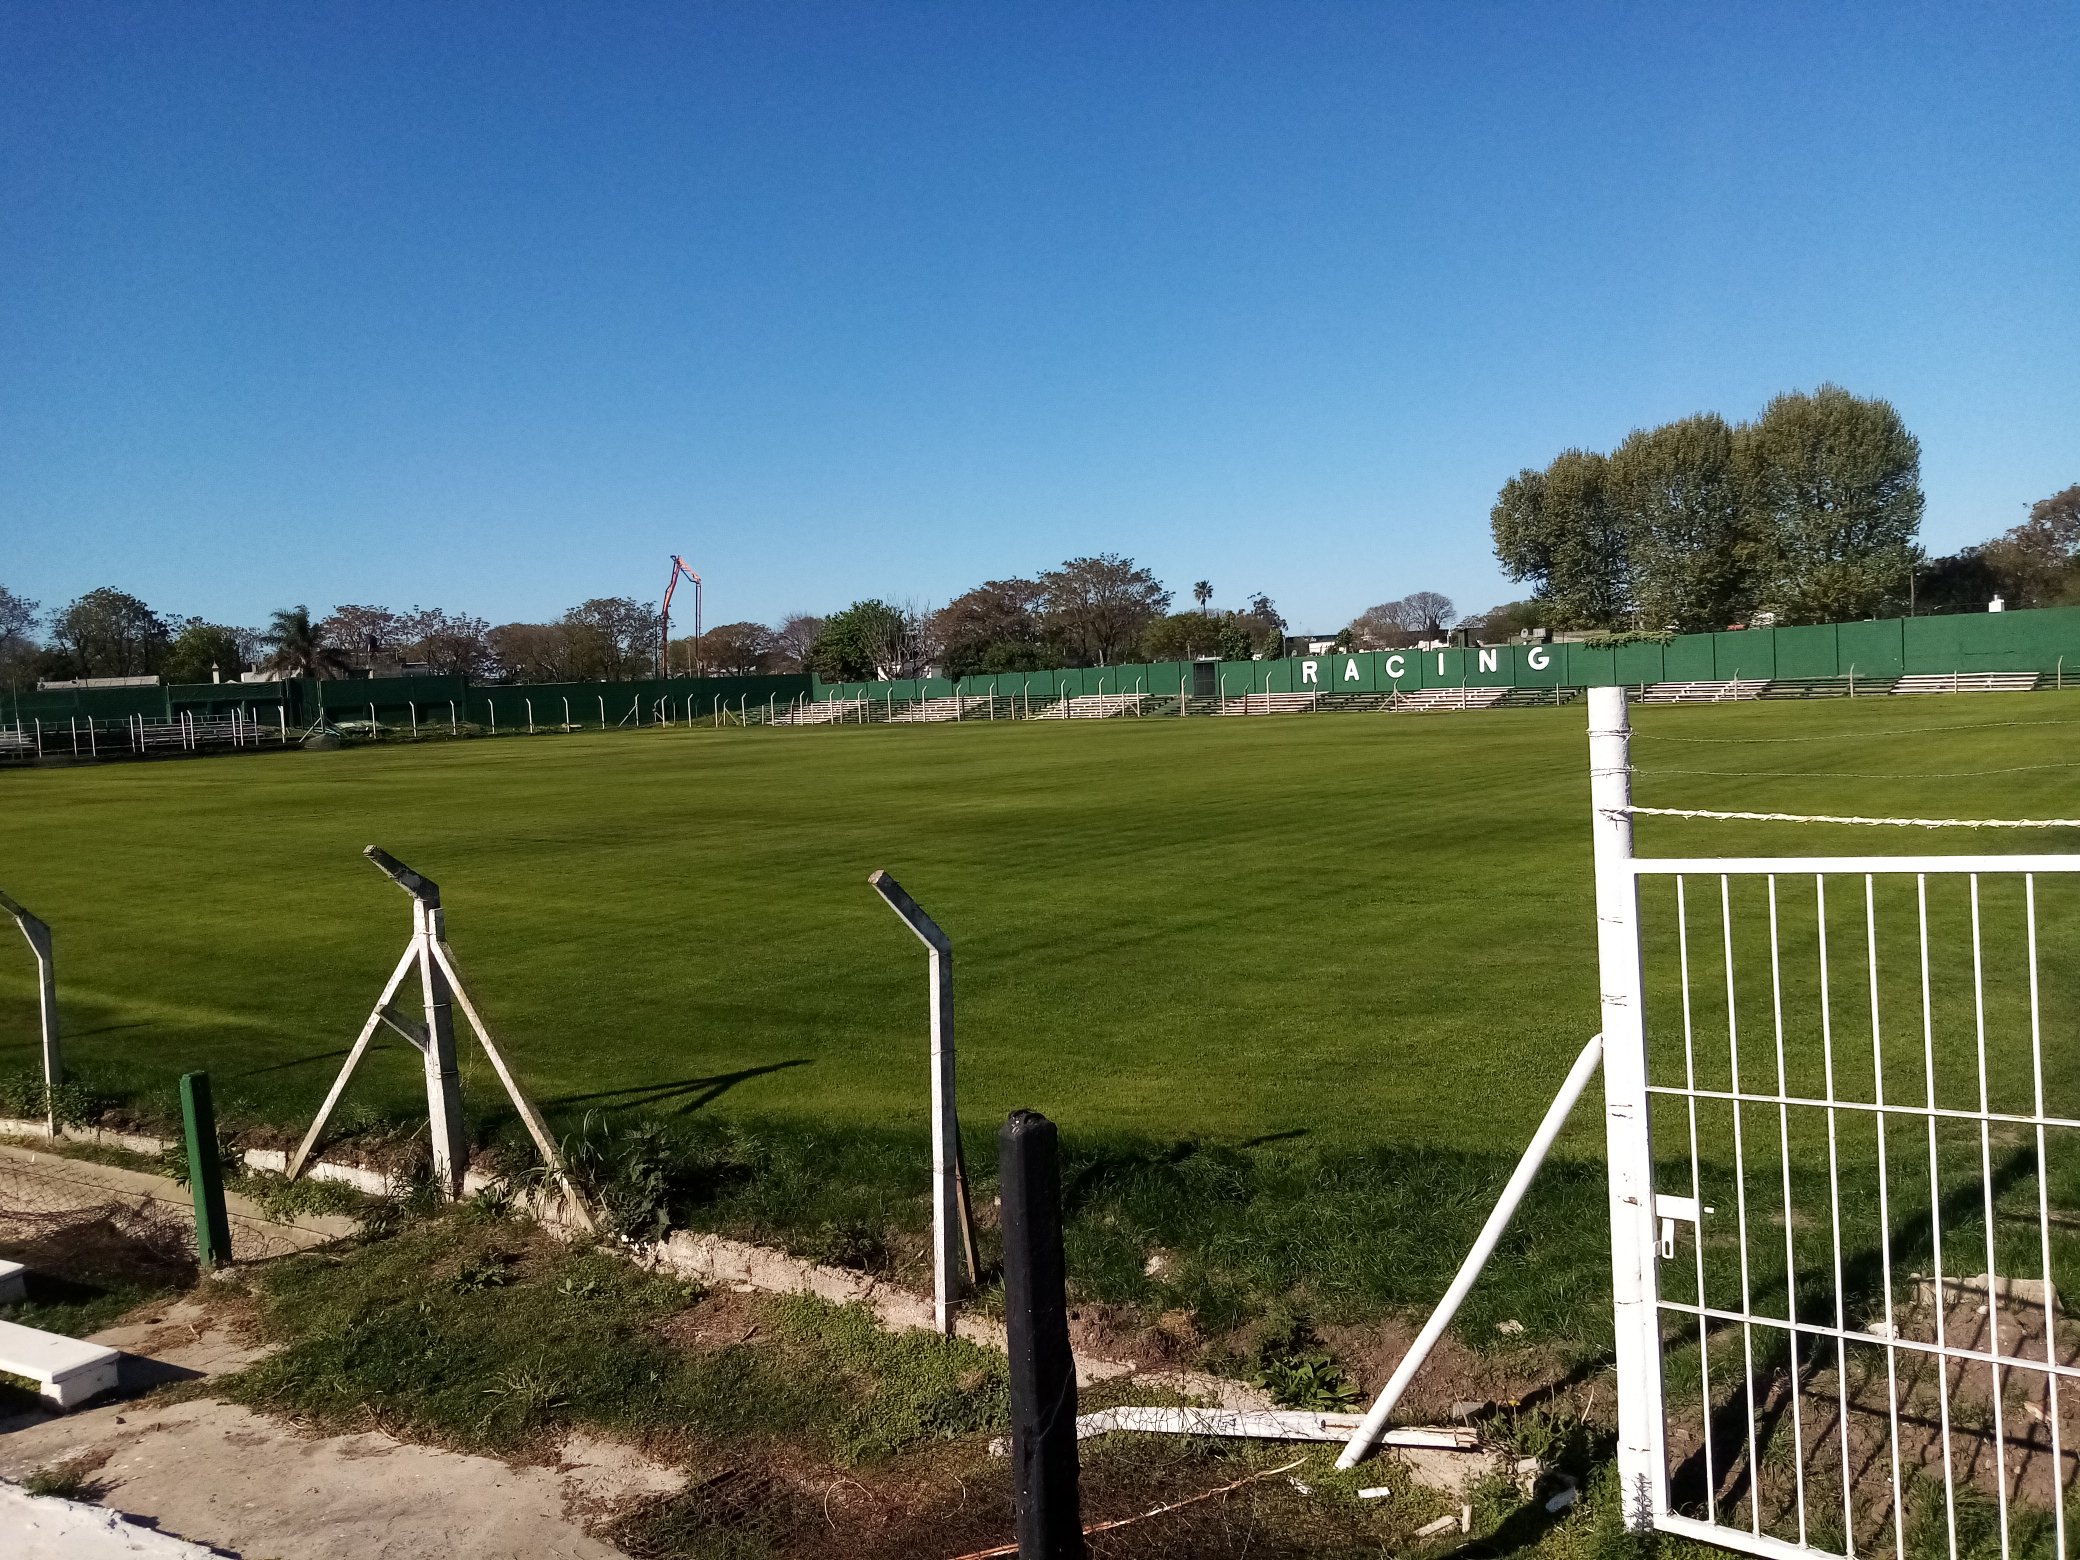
(1843, 1074)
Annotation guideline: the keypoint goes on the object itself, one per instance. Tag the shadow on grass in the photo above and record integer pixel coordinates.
(692, 1094)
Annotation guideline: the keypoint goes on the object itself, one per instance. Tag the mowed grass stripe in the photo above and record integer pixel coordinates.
(1371, 930)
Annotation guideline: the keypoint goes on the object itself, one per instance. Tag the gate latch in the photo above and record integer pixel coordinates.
(1668, 1210)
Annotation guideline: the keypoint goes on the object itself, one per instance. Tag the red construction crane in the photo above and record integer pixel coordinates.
(664, 643)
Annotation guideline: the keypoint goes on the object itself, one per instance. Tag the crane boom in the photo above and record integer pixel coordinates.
(664, 641)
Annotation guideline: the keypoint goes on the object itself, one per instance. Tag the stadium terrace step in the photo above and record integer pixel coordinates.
(1536, 698)
(1428, 700)
(825, 712)
(1850, 687)
(1968, 682)
(1270, 704)
(1096, 706)
(67, 1370)
(950, 707)
(1704, 692)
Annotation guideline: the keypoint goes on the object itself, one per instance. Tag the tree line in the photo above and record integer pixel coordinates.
(1808, 514)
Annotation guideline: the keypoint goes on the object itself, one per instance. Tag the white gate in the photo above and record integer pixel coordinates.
(1843, 1120)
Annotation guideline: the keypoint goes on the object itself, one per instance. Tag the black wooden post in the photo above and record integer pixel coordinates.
(205, 1172)
(1036, 1321)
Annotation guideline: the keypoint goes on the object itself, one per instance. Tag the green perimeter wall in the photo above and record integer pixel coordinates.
(396, 698)
(2043, 641)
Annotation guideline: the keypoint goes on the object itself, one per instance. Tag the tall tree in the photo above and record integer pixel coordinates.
(1191, 636)
(530, 652)
(361, 634)
(110, 633)
(203, 651)
(18, 647)
(1831, 485)
(999, 620)
(2037, 564)
(1426, 613)
(854, 642)
(1674, 496)
(611, 639)
(736, 649)
(1097, 607)
(297, 649)
(1554, 529)
(452, 644)
(1202, 592)
(792, 640)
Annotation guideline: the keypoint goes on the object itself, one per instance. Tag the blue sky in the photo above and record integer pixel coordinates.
(494, 306)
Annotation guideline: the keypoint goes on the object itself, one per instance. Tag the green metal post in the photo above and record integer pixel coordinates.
(205, 1172)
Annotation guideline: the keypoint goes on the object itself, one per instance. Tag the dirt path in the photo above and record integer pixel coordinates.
(220, 1475)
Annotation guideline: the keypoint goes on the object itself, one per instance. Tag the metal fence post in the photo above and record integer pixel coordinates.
(39, 936)
(952, 1215)
(205, 1172)
(1036, 1327)
(1642, 1464)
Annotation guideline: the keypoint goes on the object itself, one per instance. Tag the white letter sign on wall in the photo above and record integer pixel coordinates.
(1539, 659)
(1396, 666)
(1307, 671)
(1440, 663)
(1350, 670)
(1488, 660)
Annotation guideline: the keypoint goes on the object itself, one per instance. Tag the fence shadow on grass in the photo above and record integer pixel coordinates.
(691, 1094)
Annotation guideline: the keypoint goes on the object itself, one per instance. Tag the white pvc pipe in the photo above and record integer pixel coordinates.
(1367, 1435)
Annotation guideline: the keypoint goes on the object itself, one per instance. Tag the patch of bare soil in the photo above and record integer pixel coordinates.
(720, 1319)
(1170, 1498)
(114, 1243)
(1130, 1337)
(1454, 1374)
(1860, 1435)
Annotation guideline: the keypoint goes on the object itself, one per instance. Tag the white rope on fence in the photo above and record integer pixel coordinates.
(1900, 823)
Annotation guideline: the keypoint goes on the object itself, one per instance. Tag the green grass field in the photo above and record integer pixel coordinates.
(1258, 949)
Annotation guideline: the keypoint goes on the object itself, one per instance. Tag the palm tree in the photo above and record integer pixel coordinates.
(1203, 593)
(299, 651)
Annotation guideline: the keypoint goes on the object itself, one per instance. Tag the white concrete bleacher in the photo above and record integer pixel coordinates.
(1428, 700)
(822, 712)
(949, 707)
(1968, 682)
(65, 1370)
(1093, 706)
(1270, 704)
(1718, 692)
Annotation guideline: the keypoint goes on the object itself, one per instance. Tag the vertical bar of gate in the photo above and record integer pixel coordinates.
(1740, 1204)
(1704, 1350)
(1870, 933)
(1993, 1303)
(1776, 994)
(1935, 1218)
(2036, 1057)
(1834, 1205)
(1642, 1466)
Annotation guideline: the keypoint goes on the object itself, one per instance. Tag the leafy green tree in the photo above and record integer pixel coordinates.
(1097, 607)
(1202, 592)
(1000, 616)
(200, 648)
(110, 633)
(1554, 529)
(298, 649)
(611, 639)
(854, 643)
(18, 647)
(1674, 497)
(1831, 486)
(1191, 636)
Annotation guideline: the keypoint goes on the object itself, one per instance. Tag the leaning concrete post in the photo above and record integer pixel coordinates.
(1036, 1327)
(205, 1172)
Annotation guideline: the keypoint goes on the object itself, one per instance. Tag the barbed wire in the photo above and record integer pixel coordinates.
(1857, 774)
(1900, 823)
(1851, 736)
